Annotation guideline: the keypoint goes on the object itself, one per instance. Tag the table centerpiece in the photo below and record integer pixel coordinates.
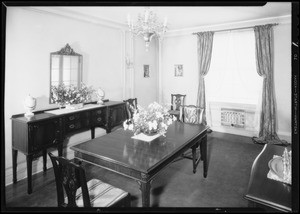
(152, 121)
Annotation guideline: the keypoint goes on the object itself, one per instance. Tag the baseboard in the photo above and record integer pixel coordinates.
(236, 131)
(250, 133)
(285, 136)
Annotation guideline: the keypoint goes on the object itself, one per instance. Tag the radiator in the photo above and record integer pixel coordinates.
(233, 117)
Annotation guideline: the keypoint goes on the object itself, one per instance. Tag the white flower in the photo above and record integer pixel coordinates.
(169, 122)
(159, 114)
(154, 124)
(130, 127)
(164, 126)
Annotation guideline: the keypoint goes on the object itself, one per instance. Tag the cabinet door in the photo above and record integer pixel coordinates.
(44, 134)
(116, 115)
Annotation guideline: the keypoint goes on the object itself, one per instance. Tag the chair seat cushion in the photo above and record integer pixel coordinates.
(101, 194)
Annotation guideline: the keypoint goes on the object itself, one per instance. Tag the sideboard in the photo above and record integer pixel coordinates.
(48, 128)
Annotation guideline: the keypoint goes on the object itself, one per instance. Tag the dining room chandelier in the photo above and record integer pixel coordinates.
(147, 26)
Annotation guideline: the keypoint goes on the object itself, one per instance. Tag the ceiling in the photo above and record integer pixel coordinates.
(179, 17)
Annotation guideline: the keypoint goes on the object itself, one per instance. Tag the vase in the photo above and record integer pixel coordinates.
(74, 106)
(148, 137)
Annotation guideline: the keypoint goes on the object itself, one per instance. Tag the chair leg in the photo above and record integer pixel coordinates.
(200, 153)
(194, 159)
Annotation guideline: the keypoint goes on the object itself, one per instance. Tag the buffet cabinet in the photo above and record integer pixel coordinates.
(48, 129)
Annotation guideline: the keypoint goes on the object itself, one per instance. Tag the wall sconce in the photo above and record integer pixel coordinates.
(129, 62)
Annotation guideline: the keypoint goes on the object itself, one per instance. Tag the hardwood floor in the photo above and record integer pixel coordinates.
(230, 158)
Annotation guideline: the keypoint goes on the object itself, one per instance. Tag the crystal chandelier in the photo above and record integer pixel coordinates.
(147, 26)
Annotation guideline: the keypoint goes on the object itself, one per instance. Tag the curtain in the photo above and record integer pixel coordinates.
(264, 65)
(204, 48)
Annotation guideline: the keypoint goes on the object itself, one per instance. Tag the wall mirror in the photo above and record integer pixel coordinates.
(65, 68)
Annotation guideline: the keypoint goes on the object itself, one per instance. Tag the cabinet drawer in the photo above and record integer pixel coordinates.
(98, 117)
(72, 117)
(77, 121)
(73, 126)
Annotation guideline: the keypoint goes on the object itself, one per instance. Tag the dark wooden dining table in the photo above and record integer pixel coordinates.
(264, 192)
(141, 160)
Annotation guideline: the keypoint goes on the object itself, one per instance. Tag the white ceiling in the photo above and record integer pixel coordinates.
(180, 17)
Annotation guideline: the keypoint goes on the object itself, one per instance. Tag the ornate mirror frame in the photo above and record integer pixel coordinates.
(65, 67)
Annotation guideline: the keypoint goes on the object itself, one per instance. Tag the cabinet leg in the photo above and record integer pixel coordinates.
(45, 160)
(29, 159)
(93, 132)
(14, 163)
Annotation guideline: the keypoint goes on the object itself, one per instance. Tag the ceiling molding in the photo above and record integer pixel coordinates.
(179, 32)
(78, 16)
(187, 31)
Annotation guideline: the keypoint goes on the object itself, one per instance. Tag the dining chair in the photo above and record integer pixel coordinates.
(192, 114)
(131, 106)
(176, 101)
(71, 180)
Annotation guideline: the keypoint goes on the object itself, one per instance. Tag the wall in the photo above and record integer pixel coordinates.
(145, 89)
(30, 37)
(283, 78)
(181, 48)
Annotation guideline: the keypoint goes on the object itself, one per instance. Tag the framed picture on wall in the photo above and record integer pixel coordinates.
(146, 71)
(178, 70)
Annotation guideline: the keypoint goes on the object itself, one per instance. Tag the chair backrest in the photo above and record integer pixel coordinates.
(191, 114)
(176, 101)
(69, 177)
(131, 106)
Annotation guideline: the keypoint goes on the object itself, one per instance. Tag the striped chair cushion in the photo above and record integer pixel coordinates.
(101, 194)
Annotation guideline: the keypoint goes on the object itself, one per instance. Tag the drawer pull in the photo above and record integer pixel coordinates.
(99, 119)
(99, 112)
(71, 126)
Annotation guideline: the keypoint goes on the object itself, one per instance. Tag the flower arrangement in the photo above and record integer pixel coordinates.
(64, 95)
(155, 119)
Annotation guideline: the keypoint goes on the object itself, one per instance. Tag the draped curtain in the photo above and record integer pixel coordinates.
(264, 65)
(204, 48)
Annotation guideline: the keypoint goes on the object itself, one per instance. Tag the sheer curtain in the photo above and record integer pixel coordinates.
(232, 77)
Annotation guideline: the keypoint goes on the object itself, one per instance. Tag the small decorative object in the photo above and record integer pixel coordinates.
(151, 121)
(178, 70)
(100, 95)
(71, 95)
(146, 71)
(29, 104)
(287, 165)
(281, 167)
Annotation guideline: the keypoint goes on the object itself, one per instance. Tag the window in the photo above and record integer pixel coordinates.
(232, 77)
